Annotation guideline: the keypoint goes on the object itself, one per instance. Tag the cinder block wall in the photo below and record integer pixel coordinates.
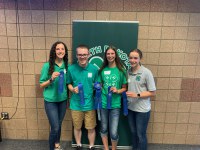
(169, 35)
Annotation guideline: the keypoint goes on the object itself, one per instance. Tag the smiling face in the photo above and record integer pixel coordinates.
(134, 59)
(82, 55)
(110, 55)
(60, 51)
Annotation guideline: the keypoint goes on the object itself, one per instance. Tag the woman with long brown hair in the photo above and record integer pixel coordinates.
(112, 76)
(53, 81)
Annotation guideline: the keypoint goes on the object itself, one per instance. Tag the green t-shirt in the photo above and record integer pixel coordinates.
(50, 92)
(115, 78)
(87, 76)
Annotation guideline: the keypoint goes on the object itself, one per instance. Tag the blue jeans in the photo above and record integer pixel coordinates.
(110, 117)
(138, 123)
(55, 112)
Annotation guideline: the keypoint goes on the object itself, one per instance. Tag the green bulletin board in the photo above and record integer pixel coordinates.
(98, 35)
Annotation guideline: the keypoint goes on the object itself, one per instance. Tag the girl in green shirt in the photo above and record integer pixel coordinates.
(55, 92)
(112, 76)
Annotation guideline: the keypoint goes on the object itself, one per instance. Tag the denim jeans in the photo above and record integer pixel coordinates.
(138, 122)
(55, 112)
(110, 117)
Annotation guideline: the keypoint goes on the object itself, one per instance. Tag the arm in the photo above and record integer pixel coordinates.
(124, 88)
(46, 83)
(73, 89)
(49, 81)
(119, 91)
(142, 94)
(123, 81)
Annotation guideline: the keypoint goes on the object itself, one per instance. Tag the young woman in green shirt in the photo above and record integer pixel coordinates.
(55, 91)
(112, 76)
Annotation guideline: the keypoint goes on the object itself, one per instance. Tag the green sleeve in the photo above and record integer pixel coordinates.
(99, 78)
(44, 73)
(124, 77)
(69, 77)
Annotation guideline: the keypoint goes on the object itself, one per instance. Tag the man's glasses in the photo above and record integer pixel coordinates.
(82, 55)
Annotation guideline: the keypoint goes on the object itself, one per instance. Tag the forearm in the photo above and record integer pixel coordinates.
(45, 84)
(147, 94)
(119, 91)
(124, 88)
(50, 80)
(71, 88)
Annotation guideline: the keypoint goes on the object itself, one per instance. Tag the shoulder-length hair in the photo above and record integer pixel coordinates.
(52, 56)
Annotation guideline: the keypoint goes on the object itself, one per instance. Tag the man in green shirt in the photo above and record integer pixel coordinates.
(86, 74)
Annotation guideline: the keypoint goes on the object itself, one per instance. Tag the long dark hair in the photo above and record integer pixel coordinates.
(117, 60)
(52, 56)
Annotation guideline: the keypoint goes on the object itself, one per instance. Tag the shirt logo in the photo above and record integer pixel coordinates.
(111, 80)
(89, 75)
(138, 78)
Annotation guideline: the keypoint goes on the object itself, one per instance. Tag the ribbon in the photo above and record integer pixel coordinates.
(97, 98)
(109, 98)
(81, 94)
(61, 82)
(125, 103)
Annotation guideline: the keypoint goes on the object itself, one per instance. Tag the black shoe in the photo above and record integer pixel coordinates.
(79, 148)
(92, 148)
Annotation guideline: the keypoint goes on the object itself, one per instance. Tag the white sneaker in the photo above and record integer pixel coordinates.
(58, 148)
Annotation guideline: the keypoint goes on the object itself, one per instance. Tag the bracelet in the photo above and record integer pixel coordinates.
(50, 80)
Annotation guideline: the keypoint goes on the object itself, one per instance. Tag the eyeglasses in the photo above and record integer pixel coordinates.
(82, 55)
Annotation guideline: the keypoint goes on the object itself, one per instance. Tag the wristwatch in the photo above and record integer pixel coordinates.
(138, 95)
(50, 80)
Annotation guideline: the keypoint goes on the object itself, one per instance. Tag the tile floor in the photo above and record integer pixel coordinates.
(43, 145)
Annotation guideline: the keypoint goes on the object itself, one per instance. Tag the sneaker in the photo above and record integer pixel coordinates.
(79, 147)
(58, 148)
(92, 148)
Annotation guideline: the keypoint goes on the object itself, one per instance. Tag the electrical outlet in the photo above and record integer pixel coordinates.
(4, 115)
